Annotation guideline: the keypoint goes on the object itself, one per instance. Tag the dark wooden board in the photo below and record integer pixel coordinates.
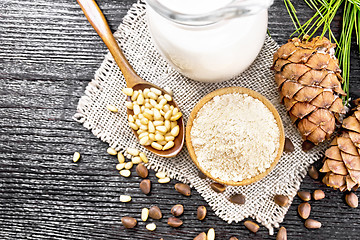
(48, 54)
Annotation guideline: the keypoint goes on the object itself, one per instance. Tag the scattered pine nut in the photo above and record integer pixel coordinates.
(151, 226)
(128, 165)
(125, 173)
(144, 214)
(128, 91)
(125, 198)
(143, 157)
(132, 151)
(164, 180)
(112, 108)
(120, 157)
(111, 151)
(120, 166)
(76, 156)
(136, 160)
(160, 175)
(211, 234)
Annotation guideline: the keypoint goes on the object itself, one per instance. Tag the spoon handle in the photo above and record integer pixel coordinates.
(98, 21)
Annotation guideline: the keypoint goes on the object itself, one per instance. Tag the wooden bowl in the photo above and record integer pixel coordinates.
(253, 94)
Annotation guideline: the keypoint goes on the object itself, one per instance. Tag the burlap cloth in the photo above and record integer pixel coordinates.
(105, 88)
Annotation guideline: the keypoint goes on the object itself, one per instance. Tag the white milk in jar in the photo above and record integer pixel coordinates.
(207, 51)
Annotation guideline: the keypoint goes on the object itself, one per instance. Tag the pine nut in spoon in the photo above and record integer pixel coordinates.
(133, 81)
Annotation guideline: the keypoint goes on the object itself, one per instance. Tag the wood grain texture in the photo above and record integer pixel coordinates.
(48, 54)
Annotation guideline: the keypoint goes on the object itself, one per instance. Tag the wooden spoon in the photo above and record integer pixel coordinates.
(98, 21)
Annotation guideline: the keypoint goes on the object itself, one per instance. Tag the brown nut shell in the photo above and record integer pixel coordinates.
(129, 222)
(177, 210)
(142, 171)
(145, 186)
(352, 200)
(318, 194)
(253, 227)
(233, 238)
(174, 222)
(313, 173)
(288, 145)
(305, 196)
(217, 187)
(201, 212)
(155, 212)
(281, 200)
(237, 199)
(282, 234)
(312, 224)
(307, 146)
(304, 210)
(184, 189)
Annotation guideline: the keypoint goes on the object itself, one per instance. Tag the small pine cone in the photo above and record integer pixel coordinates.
(342, 159)
(309, 80)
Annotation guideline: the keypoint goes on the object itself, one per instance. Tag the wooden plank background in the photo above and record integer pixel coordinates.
(48, 54)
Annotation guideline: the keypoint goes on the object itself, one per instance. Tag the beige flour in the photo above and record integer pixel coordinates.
(235, 137)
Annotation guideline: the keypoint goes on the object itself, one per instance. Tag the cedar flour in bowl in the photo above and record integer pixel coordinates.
(235, 136)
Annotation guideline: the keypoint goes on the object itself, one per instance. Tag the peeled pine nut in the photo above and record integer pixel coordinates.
(144, 214)
(169, 138)
(156, 145)
(160, 175)
(136, 160)
(152, 96)
(131, 118)
(168, 145)
(140, 99)
(175, 130)
(151, 127)
(143, 157)
(120, 157)
(125, 173)
(156, 91)
(128, 91)
(167, 125)
(176, 116)
(112, 108)
(211, 234)
(144, 140)
(132, 151)
(152, 137)
(136, 109)
(129, 105)
(164, 180)
(125, 198)
(141, 135)
(159, 137)
(128, 165)
(161, 129)
(133, 126)
(158, 123)
(120, 166)
(134, 96)
(76, 156)
(144, 121)
(151, 226)
(168, 97)
(168, 114)
(111, 151)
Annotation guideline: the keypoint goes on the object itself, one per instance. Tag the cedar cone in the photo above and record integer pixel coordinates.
(342, 159)
(309, 81)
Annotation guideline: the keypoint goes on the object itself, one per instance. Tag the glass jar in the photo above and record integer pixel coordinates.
(208, 40)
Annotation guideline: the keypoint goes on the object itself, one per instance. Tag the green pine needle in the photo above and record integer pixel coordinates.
(325, 11)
